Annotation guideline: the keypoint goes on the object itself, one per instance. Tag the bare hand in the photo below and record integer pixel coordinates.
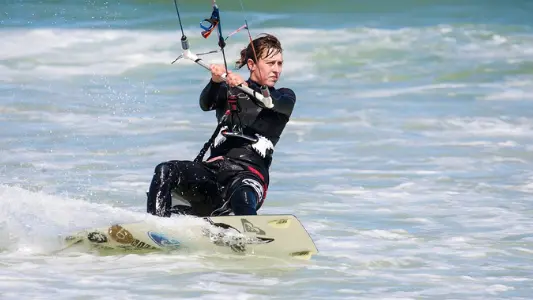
(233, 79)
(216, 73)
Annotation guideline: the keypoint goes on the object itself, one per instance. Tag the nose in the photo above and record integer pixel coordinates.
(276, 68)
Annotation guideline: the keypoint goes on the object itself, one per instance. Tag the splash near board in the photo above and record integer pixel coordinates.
(264, 235)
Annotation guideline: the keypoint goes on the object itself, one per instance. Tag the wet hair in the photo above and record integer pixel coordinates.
(265, 46)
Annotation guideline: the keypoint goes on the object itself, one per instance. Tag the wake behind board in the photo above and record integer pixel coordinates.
(266, 235)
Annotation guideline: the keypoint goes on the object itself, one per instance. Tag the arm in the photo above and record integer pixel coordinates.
(212, 95)
(283, 100)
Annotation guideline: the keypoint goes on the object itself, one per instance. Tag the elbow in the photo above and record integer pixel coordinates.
(204, 102)
(203, 106)
(284, 107)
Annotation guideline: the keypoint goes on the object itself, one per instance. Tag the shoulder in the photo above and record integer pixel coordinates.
(287, 92)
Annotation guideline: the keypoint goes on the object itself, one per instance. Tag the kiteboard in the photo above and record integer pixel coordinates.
(265, 235)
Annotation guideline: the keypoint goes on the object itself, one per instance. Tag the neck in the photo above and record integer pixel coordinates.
(254, 78)
(254, 82)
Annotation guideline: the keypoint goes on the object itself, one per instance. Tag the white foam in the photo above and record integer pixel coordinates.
(479, 126)
(60, 53)
(392, 92)
(511, 89)
(34, 221)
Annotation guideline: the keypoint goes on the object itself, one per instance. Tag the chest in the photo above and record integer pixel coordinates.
(246, 111)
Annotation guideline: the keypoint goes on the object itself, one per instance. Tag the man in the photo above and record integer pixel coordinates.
(235, 177)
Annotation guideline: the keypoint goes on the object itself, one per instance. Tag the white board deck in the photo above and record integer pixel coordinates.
(268, 235)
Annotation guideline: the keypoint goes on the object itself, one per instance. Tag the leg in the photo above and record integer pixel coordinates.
(244, 201)
(159, 199)
(193, 181)
(245, 195)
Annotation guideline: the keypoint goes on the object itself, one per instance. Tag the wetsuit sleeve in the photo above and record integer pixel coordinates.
(283, 100)
(212, 95)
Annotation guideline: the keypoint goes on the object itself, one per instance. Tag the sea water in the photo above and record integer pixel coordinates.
(408, 157)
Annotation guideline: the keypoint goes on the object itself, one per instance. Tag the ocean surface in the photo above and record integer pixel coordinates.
(408, 158)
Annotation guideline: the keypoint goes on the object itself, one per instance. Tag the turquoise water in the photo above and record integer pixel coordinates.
(408, 157)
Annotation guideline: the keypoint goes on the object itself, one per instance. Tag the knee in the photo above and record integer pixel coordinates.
(163, 169)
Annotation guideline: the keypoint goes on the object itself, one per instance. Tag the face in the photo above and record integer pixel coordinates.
(267, 70)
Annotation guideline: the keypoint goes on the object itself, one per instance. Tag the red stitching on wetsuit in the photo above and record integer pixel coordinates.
(265, 187)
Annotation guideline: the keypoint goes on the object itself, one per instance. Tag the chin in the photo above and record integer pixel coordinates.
(271, 83)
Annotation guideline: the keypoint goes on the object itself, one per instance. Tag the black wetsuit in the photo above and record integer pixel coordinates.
(237, 182)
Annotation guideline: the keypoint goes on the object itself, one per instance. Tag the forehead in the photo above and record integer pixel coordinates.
(276, 57)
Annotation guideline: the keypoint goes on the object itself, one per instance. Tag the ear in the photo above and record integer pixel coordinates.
(251, 65)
